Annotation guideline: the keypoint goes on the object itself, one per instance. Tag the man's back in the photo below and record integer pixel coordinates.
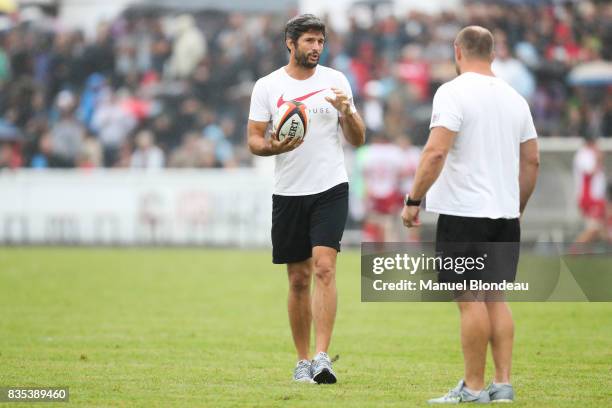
(481, 174)
(478, 170)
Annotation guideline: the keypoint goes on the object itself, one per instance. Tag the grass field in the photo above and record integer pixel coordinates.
(187, 328)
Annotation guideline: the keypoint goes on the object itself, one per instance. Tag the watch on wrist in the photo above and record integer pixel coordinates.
(411, 203)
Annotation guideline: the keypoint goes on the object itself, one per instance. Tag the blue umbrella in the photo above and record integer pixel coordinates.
(596, 73)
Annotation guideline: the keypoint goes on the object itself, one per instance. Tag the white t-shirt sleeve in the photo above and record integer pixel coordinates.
(446, 112)
(345, 86)
(529, 130)
(585, 162)
(259, 110)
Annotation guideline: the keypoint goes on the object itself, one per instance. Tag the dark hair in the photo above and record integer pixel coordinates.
(302, 24)
(476, 42)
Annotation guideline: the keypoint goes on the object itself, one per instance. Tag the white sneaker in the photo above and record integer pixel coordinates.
(322, 372)
(459, 395)
(302, 372)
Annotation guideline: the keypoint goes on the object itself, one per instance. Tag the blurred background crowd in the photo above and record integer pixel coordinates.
(155, 89)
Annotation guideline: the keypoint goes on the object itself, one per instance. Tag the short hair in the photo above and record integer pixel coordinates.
(302, 24)
(475, 42)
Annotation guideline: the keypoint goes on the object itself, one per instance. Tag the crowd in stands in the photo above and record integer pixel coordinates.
(150, 90)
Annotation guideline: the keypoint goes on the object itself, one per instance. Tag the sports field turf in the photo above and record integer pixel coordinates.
(161, 327)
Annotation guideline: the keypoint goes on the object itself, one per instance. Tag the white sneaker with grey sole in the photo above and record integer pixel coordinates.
(460, 395)
(501, 392)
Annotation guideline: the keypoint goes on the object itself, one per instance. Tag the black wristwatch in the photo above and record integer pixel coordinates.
(412, 203)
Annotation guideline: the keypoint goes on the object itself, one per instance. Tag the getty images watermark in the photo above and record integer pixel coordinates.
(460, 265)
(405, 272)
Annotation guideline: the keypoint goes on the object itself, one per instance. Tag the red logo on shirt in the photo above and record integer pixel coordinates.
(300, 99)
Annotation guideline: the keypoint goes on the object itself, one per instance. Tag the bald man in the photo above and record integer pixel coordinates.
(478, 170)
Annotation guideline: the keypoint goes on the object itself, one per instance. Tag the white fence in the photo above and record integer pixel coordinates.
(191, 207)
(216, 207)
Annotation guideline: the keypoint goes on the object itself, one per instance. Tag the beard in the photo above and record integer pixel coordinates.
(302, 59)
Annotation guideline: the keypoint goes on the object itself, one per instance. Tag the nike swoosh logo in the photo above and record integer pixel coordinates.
(300, 99)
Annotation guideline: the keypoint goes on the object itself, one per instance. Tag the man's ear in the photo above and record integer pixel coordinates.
(289, 44)
(458, 55)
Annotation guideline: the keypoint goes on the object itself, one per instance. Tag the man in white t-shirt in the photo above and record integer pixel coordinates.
(590, 181)
(382, 173)
(478, 170)
(310, 201)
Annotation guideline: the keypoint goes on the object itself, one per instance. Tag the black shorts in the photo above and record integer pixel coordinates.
(493, 244)
(300, 223)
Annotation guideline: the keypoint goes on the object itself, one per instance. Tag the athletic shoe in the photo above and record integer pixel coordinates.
(302, 372)
(322, 372)
(501, 392)
(460, 395)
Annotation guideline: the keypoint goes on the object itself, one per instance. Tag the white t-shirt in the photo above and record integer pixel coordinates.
(481, 175)
(382, 169)
(318, 164)
(586, 165)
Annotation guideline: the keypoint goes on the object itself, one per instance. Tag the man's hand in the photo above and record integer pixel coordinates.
(286, 145)
(341, 102)
(262, 146)
(410, 216)
(351, 123)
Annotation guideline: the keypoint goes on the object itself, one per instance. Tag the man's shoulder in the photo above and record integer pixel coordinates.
(513, 93)
(466, 84)
(458, 83)
(448, 88)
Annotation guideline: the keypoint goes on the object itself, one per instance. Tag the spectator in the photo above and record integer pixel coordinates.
(373, 109)
(10, 155)
(218, 135)
(394, 64)
(113, 123)
(513, 71)
(67, 133)
(147, 155)
(189, 47)
(42, 158)
(91, 154)
(193, 152)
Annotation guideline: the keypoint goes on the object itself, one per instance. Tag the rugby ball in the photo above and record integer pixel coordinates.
(291, 121)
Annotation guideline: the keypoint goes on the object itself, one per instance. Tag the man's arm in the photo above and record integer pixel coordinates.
(260, 146)
(528, 173)
(432, 160)
(353, 128)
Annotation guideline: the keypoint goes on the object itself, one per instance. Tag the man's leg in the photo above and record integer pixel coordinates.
(298, 304)
(592, 232)
(327, 221)
(475, 334)
(324, 299)
(502, 338)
